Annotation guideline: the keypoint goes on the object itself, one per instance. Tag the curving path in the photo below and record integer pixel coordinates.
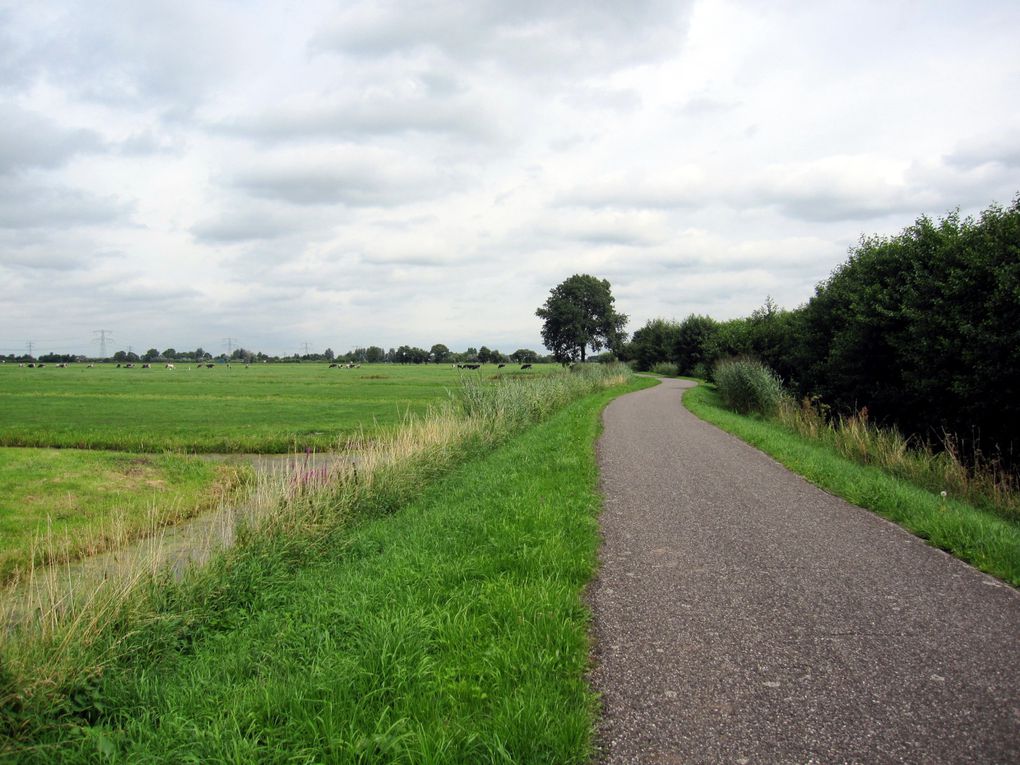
(743, 615)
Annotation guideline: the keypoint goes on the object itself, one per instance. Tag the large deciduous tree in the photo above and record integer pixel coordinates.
(439, 353)
(578, 315)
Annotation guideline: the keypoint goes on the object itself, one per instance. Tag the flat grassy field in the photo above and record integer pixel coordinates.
(267, 408)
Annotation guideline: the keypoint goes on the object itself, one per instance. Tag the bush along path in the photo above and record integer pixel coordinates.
(743, 615)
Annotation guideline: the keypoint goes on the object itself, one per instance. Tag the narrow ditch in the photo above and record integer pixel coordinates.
(175, 548)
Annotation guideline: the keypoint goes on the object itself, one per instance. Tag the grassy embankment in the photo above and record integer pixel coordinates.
(57, 505)
(451, 631)
(268, 408)
(976, 534)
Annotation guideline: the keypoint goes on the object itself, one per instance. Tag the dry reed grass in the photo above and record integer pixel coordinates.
(943, 469)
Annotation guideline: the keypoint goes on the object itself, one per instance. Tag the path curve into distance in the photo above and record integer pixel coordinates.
(743, 615)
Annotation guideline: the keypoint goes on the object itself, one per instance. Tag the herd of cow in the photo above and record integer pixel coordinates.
(127, 365)
(478, 366)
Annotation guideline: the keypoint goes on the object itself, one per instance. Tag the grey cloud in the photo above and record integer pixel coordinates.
(144, 143)
(371, 115)
(639, 193)
(547, 39)
(242, 228)
(835, 188)
(700, 106)
(1002, 149)
(123, 52)
(598, 230)
(408, 259)
(255, 223)
(146, 292)
(833, 205)
(30, 140)
(26, 205)
(353, 180)
(44, 258)
(601, 97)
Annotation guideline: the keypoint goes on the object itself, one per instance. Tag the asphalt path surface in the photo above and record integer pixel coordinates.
(743, 615)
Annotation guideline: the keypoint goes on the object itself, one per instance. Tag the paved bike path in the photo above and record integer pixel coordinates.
(743, 615)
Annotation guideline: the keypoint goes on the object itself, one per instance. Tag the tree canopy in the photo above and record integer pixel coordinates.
(578, 315)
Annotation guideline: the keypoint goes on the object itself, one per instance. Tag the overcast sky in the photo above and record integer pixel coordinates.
(356, 173)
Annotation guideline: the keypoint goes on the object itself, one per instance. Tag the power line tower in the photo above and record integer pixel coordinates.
(305, 346)
(29, 346)
(102, 340)
(229, 342)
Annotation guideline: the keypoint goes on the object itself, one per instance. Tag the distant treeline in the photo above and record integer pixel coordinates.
(922, 328)
(373, 354)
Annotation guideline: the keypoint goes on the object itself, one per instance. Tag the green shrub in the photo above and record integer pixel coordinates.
(748, 386)
(664, 368)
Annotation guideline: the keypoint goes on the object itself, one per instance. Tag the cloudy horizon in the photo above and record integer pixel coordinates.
(348, 174)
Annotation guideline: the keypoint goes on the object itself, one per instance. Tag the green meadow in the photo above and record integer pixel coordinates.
(91, 458)
(267, 408)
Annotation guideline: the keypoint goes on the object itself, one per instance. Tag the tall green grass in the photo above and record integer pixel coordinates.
(448, 633)
(747, 386)
(827, 456)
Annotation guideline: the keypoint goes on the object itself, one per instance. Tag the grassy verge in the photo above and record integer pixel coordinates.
(989, 542)
(451, 631)
(58, 505)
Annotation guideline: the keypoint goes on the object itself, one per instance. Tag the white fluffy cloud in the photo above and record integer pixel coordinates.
(391, 172)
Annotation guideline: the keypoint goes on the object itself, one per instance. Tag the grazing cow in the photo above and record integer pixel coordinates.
(170, 366)
(333, 366)
(146, 366)
(31, 365)
(501, 366)
(91, 366)
(61, 366)
(21, 364)
(525, 366)
(209, 366)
